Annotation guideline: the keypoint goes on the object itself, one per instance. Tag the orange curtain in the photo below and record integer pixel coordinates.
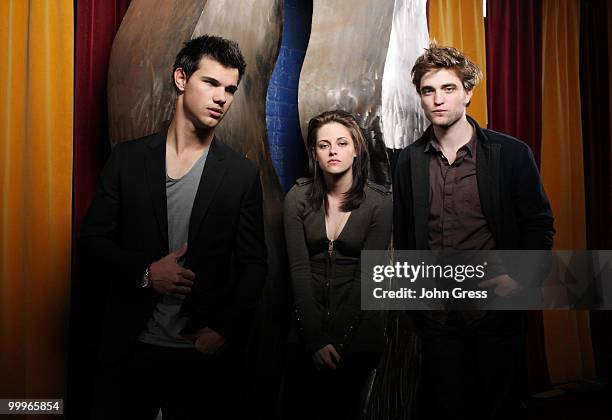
(567, 334)
(461, 25)
(36, 90)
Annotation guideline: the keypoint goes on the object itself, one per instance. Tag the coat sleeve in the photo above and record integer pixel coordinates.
(307, 311)
(532, 208)
(403, 234)
(535, 222)
(98, 240)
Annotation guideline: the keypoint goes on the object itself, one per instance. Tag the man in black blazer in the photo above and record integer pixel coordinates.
(176, 230)
(462, 187)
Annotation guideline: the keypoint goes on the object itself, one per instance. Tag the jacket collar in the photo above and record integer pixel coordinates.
(428, 133)
(155, 166)
(212, 175)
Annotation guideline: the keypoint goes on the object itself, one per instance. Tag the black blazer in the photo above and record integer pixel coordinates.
(511, 194)
(126, 228)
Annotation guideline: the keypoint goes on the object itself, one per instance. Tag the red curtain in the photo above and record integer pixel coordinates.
(97, 21)
(514, 69)
(595, 122)
(594, 79)
(514, 94)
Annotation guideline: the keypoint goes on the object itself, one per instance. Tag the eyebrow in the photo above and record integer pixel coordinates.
(445, 85)
(337, 138)
(228, 88)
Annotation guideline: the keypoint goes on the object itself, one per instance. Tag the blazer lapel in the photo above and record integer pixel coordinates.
(213, 173)
(419, 168)
(155, 166)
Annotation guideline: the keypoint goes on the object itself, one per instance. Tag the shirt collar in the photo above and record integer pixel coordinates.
(433, 143)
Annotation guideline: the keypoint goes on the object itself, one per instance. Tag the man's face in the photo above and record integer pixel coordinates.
(209, 92)
(443, 97)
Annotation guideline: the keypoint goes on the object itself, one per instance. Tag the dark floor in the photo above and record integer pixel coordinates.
(589, 401)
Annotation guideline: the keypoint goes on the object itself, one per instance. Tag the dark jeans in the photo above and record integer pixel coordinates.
(472, 367)
(312, 395)
(183, 383)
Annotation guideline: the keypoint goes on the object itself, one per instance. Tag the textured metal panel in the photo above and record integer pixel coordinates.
(282, 117)
(256, 25)
(140, 91)
(403, 119)
(344, 65)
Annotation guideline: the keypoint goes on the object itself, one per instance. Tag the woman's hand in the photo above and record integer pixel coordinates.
(326, 358)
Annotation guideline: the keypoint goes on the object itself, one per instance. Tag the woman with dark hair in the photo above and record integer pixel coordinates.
(329, 219)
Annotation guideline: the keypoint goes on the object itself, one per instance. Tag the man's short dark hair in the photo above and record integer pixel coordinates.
(226, 52)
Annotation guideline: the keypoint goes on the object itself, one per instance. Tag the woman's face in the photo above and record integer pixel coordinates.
(334, 149)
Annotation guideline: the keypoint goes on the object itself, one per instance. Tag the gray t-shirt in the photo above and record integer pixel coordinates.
(165, 324)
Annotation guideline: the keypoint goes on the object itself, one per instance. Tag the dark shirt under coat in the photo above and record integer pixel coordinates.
(511, 194)
(455, 220)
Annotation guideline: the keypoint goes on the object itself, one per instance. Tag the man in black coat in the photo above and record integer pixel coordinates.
(176, 230)
(461, 187)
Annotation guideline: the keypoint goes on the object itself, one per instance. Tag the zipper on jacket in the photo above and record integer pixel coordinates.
(328, 273)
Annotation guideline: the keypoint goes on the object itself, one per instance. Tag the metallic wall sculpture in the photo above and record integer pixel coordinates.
(344, 66)
(141, 98)
(359, 59)
(403, 120)
(140, 91)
